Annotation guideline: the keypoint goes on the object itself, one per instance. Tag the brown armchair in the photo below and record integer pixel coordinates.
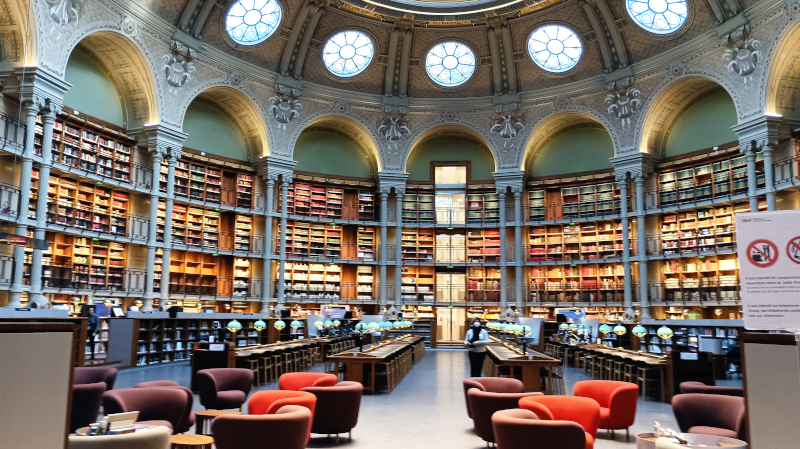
(483, 405)
(224, 388)
(156, 406)
(492, 385)
(711, 414)
(188, 415)
(94, 374)
(86, 401)
(286, 429)
(337, 408)
(700, 387)
(518, 428)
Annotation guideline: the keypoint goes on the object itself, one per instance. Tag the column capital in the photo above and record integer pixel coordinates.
(271, 179)
(509, 179)
(762, 131)
(384, 192)
(392, 180)
(275, 167)
(161, 139)
(38, 87)
(635, 164)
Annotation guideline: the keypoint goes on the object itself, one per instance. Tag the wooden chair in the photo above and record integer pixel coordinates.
(597, 366)
(268, 366)
(647, 376)
(628, 371)
(253, 362)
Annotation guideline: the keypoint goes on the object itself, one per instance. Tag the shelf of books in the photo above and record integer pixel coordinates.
(424, 318)
(539, 312)
(418, 284)
(193, 273)
(417, 245)
(584, 241)
(605, 314)
(687, 337)
(483, 208)
(573, 198)
(157, 268)
(483, 245)
(85, 205)
(366, 283)
(577, 283)
(483, 284)
(484, 313)
(210, 181)
(243, 231)
(701, 278)
(241, 276)
(418, 207)
(191, 226)
(705, 229)
(313, 281)
(90, 147)
(688, 180)
(100, 341)
(83, 263)
(321, 200)
(305, 239)
(366, 242)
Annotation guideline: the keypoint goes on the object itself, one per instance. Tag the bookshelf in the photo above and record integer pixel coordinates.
(84, 263)
(686, 336)
(313, 281)
(701, 278)
(424, 318)
(418, 207)
(100, 341)
(705, 229)
(90, 147)
(241, 276)
(417, 284)
(365, 290)
(85, 206)
(573, 198)
(243, 231)
(197, 178)
(366, 205)
(191, 226)
(605, 314)
(244, 190)
(193, 273)
(577, 283)
(536, 205)
(692, 181)
(157, 267)
(365, 240)
(321, 200)
(539, 312)
(417, 245)
(483, 208)
(583, 241)
(483, 246)
(322, 240)
(484, 313)
(483, 284)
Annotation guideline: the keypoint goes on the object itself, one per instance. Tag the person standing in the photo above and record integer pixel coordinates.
(475, 341)
(92, 328)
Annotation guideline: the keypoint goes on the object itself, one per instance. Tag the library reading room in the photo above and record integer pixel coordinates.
(392, 224)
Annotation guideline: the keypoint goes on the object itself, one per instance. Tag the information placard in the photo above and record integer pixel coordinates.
(768, 245)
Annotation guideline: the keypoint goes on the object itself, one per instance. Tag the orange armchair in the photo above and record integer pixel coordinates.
(268, 402)
(298, 381)
(617, 401)
(584, 411)
(517, 428)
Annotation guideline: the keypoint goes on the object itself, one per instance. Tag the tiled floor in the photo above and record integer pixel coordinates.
(426, 410)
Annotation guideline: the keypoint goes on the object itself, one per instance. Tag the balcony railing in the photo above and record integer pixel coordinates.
(6, 269)
(97, 279)
(133, 226)
(451, 216)
(574, 251)
(303, 290)
(567, 211)
(683, 242)
(569, 292)
(448, 293)
(339, 251)
(12, 132)
(689, 192)
(9, 199)
(142, 176)
(685, 290)
(219, 241)
(455, 254)
(348, 212)
(787, 171)
(223, 196)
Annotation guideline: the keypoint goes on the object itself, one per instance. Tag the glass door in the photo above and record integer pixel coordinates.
(451, 248)
(450, 324)
(450, 208)
(451, 287)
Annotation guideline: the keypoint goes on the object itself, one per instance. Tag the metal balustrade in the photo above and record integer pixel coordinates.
(787, 172)
(9, 199)
(684, 243)
(142, 176)
(348, 213)
(13, 133)
(133, 226)
(6, 269)
(299, 290)
(558, 253)
(693, 193)
(311, 251)
(452, 216)
(451, 254)
(70, 278)
(694, 290)
(560, 210)
(575, 291)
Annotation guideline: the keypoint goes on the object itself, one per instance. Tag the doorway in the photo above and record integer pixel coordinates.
(450, 324)
(450, 208)
(451, 287)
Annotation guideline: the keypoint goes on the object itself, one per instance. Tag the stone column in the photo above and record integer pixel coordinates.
(517, 241)
(152, 234)
(285, 183)
(30, 109)
(398, 243)
(640, 222)
(622, 178)
(749, 151)
(384, 194)
(265, 291)
(769, 175)
(48, 118)
(172, 159)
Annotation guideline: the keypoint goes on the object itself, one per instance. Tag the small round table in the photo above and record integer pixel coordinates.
(205, 417)
(191, 442)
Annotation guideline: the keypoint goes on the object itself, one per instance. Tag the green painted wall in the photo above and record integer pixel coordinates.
(705, 124)
(419, 161)
(210, 130)
(574, 151)
(92, 91)
(330, 154)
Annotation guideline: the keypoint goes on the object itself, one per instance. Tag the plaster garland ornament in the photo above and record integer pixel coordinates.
(623, 106)
(64, 12)
(743, 60)
(507, 126)
(284, 110)
(393, 127)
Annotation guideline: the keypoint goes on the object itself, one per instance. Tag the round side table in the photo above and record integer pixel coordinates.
(204, 418)
(191, 442)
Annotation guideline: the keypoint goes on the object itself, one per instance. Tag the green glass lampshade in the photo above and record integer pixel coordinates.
(296, 324)
(564, 326)
(373, 326)
(605, 328)
(665, 333)
(361, 327)
(409, 323)
(260, 325)
(280, 324)
(234, 326)
(397, 324)
(337, 323)
(328, 323)
(319, 324)
(573, 326)
(639, 331)
(620, 329)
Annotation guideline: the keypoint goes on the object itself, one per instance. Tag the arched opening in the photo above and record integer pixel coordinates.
(17, 35)
(697, 111)
(109, 73)
(783, 89)
(224, 122)
(336, 146)
(571, 142)
(454, 144)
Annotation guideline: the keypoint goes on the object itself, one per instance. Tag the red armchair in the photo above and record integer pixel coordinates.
(268, 402)
(188, 415)
(298, 381)
(157, 383)
(287, 429)
(517, 428)
(711, 414)
(93, 374)
(483, 405)
(700, 387)
(224, 388)
(337, 408)
(156, 406)
(492, 385)
(86, 401)
(584, 411)
(617, 402)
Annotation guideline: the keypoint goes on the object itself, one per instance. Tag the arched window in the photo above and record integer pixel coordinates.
(450, 64)
(555, 48)
(250, 22)
(658, 16)
(348, 53)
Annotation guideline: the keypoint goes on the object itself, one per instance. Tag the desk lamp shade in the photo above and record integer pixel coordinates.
(337, 323)
(665, 333)
(397, 324)
(328, 323)
(259, 325)
(373, 326)
(280, 324)
(605, 328)
(296, 324)
(564, 326)
(361, 327)
(573, 326)
(639, 331)
(319, 324)
(234, 326)
(620, 329)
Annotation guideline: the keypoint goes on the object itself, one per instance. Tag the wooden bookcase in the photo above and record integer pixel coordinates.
(305, 239)
(483, 284)
(193, 273)
(84, 263)
(306, 280)
(158, 267)
(706, 278)
(706, 229)
(366, 242)
(241, 276)
(417, 284)
(483, 245)
(197, 178)
(418, 207)
(191, 226)
(602, 313)
(89, 146)
(243, 231)
(417, 245)
(85, 205)
(485, 313)
(322, 200)
(581, 241)
(686, 336)
(577, 283)
(482, 208)
(571, 199)
(539, 312)
(366, 283)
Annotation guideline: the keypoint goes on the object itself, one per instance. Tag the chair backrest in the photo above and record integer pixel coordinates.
(584, 411)
(710, 410)
(700, 387)
(298, 381)
(493, 385)
(156, 383)
(156, 438)
(287, 429)
(211, 381)
(267, 402)
(483, 404)
(86, 401)
(162, 404)
(94, 374)
(620, 398)
(517, 428)
(337, 407)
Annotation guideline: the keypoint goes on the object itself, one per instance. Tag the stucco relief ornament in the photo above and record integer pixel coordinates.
(177, 70)
(507, 126)
(393, 128)
(284, 110)
(794, 8)
(623, 106)
(743, 59)
(65, 12)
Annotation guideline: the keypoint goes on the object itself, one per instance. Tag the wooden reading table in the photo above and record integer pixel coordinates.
(530, 364)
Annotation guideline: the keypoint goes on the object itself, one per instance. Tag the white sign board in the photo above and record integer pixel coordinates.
(768, 245)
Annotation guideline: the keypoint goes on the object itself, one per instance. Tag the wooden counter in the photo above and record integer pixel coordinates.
(530, 365)
(361, 364)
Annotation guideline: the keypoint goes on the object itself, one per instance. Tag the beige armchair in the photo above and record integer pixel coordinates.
(155, 438)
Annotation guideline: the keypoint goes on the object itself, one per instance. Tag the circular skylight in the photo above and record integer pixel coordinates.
(555, 48)
(658, 16)
(348, 53)
(450, 64)
(250, 22)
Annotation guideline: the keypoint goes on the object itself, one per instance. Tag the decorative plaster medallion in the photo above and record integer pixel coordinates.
(623, 106)
(507, 126)
(284, 110)
(65, 12)
(677, 69)
(743, 60)
(129, 26)
(393, 128)
(236, 79)
(450, 116)
(794, 8)
(177, 71)
(341, 107)
(562, 103)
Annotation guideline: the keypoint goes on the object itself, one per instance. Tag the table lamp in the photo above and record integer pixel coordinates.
(604, 329)
(328, 324)
(259, 326)
(233, 326)
(639, 330)
(620, 329)
(665, 333)
(337, 323)
(280, 325)
(524, 339)
(718, 312)
(319, 324)
(581, 329)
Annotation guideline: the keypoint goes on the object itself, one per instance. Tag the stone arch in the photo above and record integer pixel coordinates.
(559, 122)
(440, 129)
(241, 107)
(351, 126)
(17, 34)
(125, 61)
(780, 91)
(667, 101)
